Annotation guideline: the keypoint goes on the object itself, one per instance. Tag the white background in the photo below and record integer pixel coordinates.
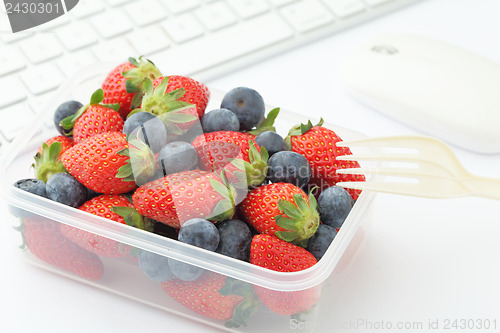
(421, 260)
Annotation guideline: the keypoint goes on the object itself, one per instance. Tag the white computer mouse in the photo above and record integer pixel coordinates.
(440, 89)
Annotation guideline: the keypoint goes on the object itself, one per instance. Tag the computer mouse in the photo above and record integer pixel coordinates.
(438, 88)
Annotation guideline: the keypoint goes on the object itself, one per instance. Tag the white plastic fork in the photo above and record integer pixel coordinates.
(423, 166)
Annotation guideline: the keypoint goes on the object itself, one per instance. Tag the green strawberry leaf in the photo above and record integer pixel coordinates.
(220, 188)
(131, 87)
(97, 96)
(114, 106)
(130, 215)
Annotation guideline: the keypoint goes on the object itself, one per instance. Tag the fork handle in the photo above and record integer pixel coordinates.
(483, 187)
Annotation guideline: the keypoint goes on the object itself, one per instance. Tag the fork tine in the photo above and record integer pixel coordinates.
(387, 141)
(390, 171)
(410, 189)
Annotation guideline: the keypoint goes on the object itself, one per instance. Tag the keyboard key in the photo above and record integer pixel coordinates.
(243, 38)
(179, 6)
(307, 15)
(11, 60)
(41, 47)
(113, 25)
(117, 50)
(77, 35)
(249, 8)
(215, 16)
(13, 119)
(74, 62)
(377, 2)
(183, 27)
(117, 2)
(145, 12)
(281, 2)
(149, 40)
(42, 78)
(54, 24)
(87, 8)
(345, 8)
(12, 91)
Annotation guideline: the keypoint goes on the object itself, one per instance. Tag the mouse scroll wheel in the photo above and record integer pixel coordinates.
(387, 49)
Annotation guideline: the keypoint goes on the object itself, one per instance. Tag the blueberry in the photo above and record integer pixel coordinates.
(334, 205)
(235, 239)
(220, 120)
(184, 271)
(152, 130)
(64, 110)
(155, 266)
(271, 141)
(32, 185)
(247, 104)
(321, 240)
(289, 167)
(201, 233)
(177, 156)
(64, 188)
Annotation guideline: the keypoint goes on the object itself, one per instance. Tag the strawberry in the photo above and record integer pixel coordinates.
(99, 206)
(93, 118)
(47, 161)
(217, 150)
(44, 239)
(215, 296)
(195, 93)
(101, 163)
(318, 145)
(275, 254)
(181, 196)
(123, 85)
(178, 100)
(66, 143)
(282, 210)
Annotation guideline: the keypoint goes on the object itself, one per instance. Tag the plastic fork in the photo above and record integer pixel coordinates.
(417, 166)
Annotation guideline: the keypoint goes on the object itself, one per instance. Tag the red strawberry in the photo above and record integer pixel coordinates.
(93, 118)
(44, 239)
(66, 143)
(123, 85)
(317, 144)
(97, 161)
(216, 151)
(181, 196)
(273, 253)
(282, 210)
(211, 296)
(179, 101)
(99, 206)
(195, 93)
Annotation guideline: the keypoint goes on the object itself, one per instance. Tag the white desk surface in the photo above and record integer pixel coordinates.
(424, 261)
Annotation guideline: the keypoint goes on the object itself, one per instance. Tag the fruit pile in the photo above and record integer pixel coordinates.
(145, 152)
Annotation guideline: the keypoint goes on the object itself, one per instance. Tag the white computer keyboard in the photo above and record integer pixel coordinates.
(176, 34)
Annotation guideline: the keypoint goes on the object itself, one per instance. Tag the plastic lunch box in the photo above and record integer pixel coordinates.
(122, 275)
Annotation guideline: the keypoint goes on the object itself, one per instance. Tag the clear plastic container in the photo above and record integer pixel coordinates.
(122, 275)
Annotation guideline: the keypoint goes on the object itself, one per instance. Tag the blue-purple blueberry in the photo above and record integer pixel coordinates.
(235, 239)
(271, 141)
(177, 156)
(220, 120)
(65, 189)
(334, 204)
(65, 110)
(247, 104)
(199, 232)
(289, 167)
(321, 240)
(155, 266)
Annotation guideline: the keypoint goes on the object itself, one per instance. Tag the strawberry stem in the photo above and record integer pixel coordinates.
(300, 219)
(47, 162)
